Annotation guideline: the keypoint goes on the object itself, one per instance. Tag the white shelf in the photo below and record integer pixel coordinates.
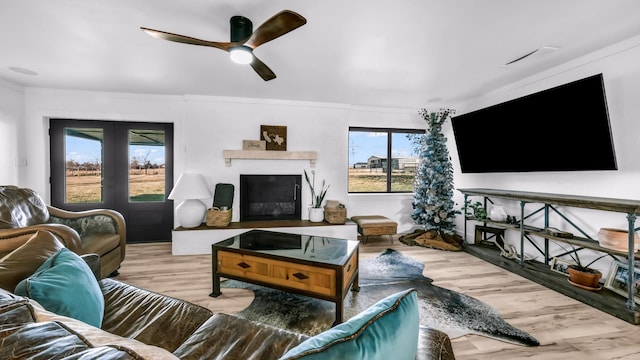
(269, 155)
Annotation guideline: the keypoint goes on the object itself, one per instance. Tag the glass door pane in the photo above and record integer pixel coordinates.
(404, 162)
(367, 161)
(146, 165)
(83, 165)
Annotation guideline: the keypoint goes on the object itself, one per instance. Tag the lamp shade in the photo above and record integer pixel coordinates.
(190, 186)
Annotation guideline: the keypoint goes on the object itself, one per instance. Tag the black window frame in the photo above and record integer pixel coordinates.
(389, 132)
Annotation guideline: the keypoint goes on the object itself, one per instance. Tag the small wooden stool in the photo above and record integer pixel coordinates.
(375, 225)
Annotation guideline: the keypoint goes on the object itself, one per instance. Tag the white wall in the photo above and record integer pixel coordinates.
(11, 114)
(204, 126)
(620, 66)
(216, 124)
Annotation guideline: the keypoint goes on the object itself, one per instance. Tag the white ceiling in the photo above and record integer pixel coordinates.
(401, 53)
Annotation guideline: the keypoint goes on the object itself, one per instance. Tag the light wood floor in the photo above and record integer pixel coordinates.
(567, 329)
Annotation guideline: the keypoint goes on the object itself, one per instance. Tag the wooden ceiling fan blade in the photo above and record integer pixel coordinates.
(276, 26)
(163, 35)
(262, 69)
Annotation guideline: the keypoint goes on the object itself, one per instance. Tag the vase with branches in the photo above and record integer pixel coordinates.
(317, 197)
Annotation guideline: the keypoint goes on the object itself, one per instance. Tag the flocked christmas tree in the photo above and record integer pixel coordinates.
(433, 205)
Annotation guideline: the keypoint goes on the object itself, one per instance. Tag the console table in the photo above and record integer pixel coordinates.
(631, 209)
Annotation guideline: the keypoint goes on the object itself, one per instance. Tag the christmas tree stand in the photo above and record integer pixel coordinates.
(433, 239)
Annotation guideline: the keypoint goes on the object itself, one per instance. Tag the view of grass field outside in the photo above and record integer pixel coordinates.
(368, 160)
(84, 172)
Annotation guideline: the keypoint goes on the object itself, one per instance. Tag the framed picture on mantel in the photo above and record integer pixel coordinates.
(275, 137)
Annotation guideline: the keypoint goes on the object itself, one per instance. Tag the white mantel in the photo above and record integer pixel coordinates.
(269, 155)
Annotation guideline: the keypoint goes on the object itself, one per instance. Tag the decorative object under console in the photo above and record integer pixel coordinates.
(481, 237)
(286, 262)
(561, 265)
(619, 278)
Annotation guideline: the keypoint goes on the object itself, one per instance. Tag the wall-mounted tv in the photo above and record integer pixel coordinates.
(565, 128)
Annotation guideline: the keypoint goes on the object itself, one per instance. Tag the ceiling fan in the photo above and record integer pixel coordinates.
(243, 39)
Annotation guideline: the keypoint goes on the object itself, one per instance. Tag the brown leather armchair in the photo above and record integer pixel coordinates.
(101, 231)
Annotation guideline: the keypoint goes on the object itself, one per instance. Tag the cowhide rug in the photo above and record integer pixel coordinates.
(390, 272)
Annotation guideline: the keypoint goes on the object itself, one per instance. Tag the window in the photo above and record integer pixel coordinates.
(147, 165)
(371, 171)
(83, 165)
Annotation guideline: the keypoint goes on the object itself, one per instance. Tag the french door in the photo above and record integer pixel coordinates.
(125, 166)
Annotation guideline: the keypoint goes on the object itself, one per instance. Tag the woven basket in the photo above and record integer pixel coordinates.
(218, 218)
(335, 215)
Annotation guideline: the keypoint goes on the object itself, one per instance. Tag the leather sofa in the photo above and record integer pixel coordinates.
(139, 324)
(146, 325)
(102, 231)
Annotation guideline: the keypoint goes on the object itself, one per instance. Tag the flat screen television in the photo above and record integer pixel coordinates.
(565, 128)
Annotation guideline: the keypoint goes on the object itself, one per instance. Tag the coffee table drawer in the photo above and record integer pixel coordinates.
(303, 277)
(314, 279)
(241, 265)
(348, 270)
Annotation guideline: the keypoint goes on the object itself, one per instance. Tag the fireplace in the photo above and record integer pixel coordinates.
(270, 197)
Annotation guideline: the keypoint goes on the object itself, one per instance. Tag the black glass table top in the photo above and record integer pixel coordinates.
(320, 249)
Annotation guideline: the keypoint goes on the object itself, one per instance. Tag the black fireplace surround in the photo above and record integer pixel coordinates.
(270, 197)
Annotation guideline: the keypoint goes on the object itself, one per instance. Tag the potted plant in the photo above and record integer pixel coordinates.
(582, 275)
(475, 209)
(316, 211)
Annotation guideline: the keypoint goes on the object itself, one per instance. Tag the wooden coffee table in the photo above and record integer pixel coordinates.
(319, 267)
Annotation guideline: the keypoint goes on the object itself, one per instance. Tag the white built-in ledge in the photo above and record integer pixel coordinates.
(269, 155)
(198, 240)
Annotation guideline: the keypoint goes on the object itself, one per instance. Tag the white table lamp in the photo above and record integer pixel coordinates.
(190, 188)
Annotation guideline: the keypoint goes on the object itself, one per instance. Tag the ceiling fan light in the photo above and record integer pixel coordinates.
(241, 55)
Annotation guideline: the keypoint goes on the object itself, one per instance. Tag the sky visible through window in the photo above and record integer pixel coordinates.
(83, 150)
(363, 145)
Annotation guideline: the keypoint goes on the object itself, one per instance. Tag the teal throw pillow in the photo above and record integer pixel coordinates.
(387, 330)
(65, 285)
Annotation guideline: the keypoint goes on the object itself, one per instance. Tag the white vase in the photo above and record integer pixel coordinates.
(497, 213)
(316, 214)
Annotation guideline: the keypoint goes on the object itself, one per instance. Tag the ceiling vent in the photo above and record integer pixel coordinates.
(531, 55)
